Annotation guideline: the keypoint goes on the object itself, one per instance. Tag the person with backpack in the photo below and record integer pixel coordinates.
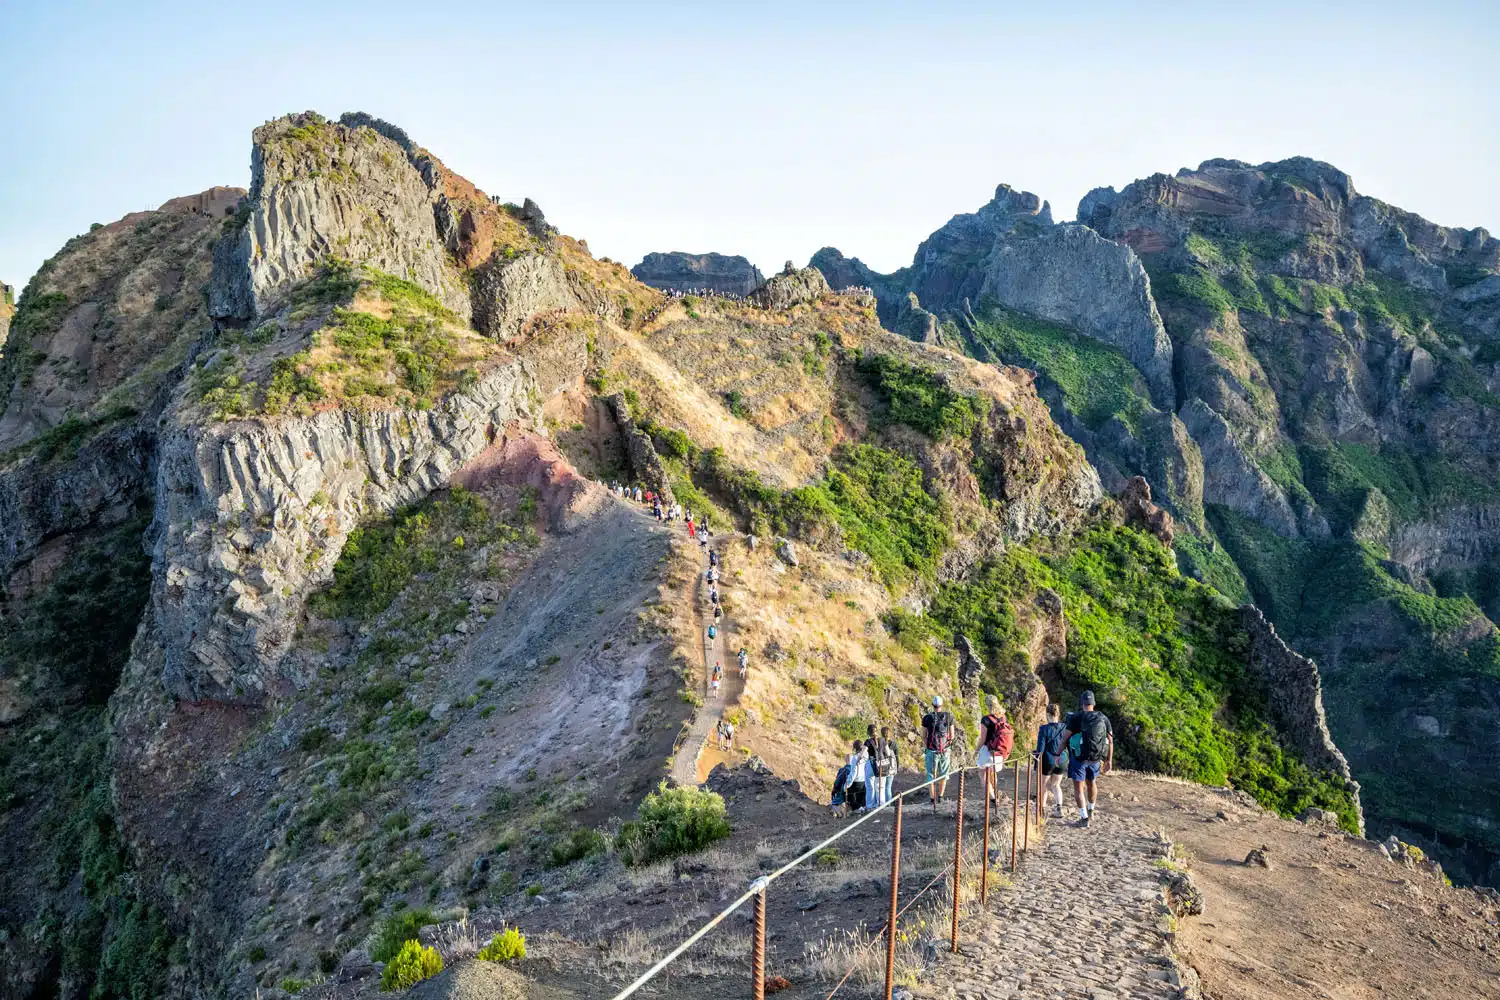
(840, 798)
(859, 771)
(872, 788)
(937, 740)
(1052, 756)
(1094, 738)
(996, 738)
(885, 753)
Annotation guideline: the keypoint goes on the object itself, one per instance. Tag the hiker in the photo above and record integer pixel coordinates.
(713, 632)
(718, 612)
(885, 753)
(859, 768)
(719, 732)
(728, 735)
(744, 661)
(937, 739)
(713, 558)
(1051, 753)
(1093, 737)
(872, 752)
(718, 675)
(713, 595)
(838, 802)
(996, 739)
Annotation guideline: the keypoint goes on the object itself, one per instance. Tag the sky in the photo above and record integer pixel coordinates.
(767, 129)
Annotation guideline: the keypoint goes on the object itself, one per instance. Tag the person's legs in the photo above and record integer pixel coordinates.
(887, 787)
(1093, 789)
(930, 762)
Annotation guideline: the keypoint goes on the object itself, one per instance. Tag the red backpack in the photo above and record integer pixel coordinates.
(1002, 737)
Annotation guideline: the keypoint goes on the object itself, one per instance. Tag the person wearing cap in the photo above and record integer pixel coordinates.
(937, 738)
(1091, 752)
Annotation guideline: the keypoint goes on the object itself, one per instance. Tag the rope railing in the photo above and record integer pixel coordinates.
(757, 889)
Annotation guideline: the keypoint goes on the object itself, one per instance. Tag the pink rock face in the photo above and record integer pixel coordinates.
(519, 460)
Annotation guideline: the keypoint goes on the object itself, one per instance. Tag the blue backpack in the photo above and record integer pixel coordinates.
(840, 785)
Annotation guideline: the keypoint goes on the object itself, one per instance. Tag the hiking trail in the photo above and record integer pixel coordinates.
(699, 750)
(1078, 921)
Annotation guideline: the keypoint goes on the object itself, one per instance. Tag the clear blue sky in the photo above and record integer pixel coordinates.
(764, 129)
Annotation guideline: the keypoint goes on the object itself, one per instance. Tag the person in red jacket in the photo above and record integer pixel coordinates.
(996, 739)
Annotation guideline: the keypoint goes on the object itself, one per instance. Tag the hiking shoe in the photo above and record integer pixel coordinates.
(1082, 824)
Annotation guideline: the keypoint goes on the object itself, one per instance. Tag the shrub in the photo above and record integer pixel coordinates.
(922, 399)
(507, 946)
(581, 843)
(399, 930)
(412, 964)
(673, 821)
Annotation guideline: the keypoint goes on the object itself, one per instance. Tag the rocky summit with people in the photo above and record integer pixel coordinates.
(398, 597)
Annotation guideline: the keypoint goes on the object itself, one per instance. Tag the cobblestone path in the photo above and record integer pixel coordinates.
(1080, 921)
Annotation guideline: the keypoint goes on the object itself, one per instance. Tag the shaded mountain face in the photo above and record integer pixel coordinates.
(704, 272)
(1308, 379)
(309, 574)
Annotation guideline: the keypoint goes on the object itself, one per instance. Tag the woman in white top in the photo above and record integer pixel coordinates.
(859, 775)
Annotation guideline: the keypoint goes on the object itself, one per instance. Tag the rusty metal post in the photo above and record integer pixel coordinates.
(1026, 834)
(958, 858)
(984, 864)
(758, 949)
(890, 927)
(1014, 803)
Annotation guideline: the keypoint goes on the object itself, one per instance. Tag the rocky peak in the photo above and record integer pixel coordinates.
(791, 287)
(679, 271)
(321, 188)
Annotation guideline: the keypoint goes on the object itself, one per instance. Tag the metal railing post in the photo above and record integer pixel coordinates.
(958, 858)
(1014, 803)
(1026, 834)
(758, 949)
(984, 865)
(890, 927)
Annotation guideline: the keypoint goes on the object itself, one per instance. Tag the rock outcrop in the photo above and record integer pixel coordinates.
(714, 272)
(646, 466)
(1073, 276)
(790, 288)
(7, 310)
(508, 291)
(1140, 512)
(251, 517)
(1296, 699)
(317, 189)
(1230, 477)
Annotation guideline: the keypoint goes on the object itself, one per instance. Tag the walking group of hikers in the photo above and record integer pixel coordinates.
(1082, 747)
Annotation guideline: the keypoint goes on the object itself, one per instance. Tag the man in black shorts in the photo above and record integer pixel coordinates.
(1052, 756)
(1091, 752)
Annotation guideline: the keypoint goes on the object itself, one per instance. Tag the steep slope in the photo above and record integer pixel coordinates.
(1325, 441)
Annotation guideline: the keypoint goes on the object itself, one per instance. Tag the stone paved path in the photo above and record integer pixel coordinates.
(1079, 922)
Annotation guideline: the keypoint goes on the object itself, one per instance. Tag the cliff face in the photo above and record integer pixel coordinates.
(251, 517)
(7, 310)
(712, 272)
(319, 188)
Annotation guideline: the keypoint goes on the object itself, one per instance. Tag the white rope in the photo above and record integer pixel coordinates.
(764, 881)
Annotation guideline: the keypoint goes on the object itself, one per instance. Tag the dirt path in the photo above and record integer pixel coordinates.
(699, 750)
(1079, 921)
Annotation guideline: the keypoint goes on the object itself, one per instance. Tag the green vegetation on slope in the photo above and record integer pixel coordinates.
(1165, 655)
(873, 497)
(76, 634)
(922, 399)
(1096, 380)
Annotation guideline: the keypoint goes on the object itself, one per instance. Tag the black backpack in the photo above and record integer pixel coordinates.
(1094, 728)
(940, 737)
